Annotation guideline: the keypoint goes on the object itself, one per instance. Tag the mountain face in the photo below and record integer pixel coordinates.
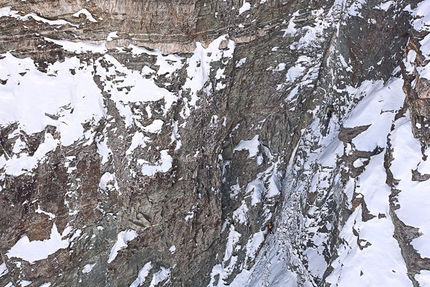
(149, 143)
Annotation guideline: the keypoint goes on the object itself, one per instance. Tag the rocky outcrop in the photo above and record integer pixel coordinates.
(169, 26)
(416, 88)
(417, 93)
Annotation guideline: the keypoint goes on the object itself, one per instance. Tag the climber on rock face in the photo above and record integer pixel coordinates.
(270, 226)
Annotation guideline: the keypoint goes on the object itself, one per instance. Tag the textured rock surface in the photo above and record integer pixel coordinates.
(266, 84)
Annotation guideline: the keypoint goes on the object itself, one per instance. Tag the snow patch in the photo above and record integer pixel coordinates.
(376, 109)
(423, 278)
(87, 268)
(239, 215)
(254, 244)
(245, 7)
(291, 29)
(112, 36)
(172, 249)
(39, 210)
(199, 66)
(138, 140)
(413, 199)
(3, 269)
(32, 251)
(143, 273)
(87, 14)
(108, 182)
(164, 164)
(240, 62)
(160, 276)
(36, 99)
(79, 47)
(8, 12)
(422, 15)
(294, 72)
(154, 127)
(250, 145)
(123, 238)
(19, 164)
(385, 6)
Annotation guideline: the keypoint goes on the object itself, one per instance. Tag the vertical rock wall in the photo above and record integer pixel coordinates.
(221, 139)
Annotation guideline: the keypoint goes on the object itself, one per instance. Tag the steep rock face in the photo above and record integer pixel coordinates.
(156, 168)
(171, 184)
(170, 26)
